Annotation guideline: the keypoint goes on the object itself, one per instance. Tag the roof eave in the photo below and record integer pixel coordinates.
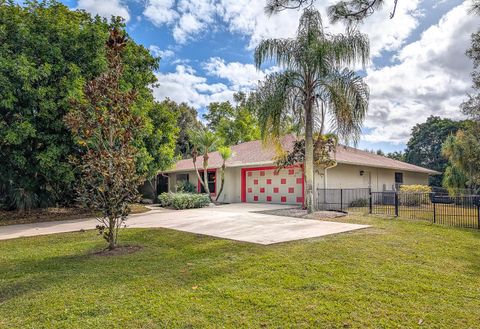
(423, 170)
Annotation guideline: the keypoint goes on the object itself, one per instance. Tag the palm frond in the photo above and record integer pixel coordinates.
(311, 24)
(281, 51)
(350, 48)
(347, 104)
(273, 102)
(203, 140)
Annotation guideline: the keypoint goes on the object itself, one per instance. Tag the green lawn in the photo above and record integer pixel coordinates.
(395, 275)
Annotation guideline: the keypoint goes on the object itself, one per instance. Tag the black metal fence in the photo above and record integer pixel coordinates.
(437, 207)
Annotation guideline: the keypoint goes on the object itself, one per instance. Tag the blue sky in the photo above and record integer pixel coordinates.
(418, 67)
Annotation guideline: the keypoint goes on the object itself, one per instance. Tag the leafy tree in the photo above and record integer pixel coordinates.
(104, 126)
(160, 138)
(217, 112)
(47, 53)
(424, 147)
(454, 180)
(396, 155)
(314, 82)
(463, 152)
(187, 119)
(350, 11)
(471, 106)
(233, 124)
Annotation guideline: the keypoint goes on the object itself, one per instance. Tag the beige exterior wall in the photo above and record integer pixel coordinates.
(341, 176)
(379, 179)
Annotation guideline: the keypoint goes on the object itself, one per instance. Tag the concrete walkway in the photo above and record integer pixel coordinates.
(233, 221)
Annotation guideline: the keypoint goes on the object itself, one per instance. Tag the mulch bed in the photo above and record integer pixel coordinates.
(302, 213)
(53, 214)
(118, 251)
(42, 215)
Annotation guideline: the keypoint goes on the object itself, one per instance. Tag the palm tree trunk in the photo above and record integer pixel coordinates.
(308, 167)
(205, 176)
(222, 176)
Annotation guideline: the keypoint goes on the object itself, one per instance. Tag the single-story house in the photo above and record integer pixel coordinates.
(250, 174)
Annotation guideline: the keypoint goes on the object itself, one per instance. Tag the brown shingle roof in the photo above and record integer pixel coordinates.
(255, 152)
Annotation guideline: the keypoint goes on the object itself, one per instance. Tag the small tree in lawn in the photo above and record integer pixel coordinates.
(106, 128)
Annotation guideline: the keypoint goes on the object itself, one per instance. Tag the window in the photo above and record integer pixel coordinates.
(398, 178)
(211, 182)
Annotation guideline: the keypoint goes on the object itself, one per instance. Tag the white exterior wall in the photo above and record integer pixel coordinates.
(348, 176)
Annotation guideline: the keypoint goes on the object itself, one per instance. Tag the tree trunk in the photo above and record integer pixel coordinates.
(205, 176)
(112, 243)
(222, 176)
(200, 179)
(308, 166)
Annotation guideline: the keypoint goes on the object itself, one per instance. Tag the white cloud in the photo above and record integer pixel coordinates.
(248, 17)
(184, 85)
(160, 11)
(241, 76)
(163, 54)
(189, 18)
(431, 78)
(391, 34)
(105, 9)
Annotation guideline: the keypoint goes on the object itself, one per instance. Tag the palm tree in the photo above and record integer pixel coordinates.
(314, 83)
(203, 141)
(225, 152)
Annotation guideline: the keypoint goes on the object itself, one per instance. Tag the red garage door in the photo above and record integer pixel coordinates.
(263, 185)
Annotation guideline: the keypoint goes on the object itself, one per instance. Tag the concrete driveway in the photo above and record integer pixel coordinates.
(234, 221)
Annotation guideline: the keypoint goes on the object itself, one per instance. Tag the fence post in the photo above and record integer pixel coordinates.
(370, 203)
(478, 215)
(341, 200)
(434, 212)
(396, 204)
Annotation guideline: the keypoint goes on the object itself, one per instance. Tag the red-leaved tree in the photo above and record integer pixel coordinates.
(105, 128)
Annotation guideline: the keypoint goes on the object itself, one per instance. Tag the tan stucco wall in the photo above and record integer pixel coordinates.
(341, 176)
(348, 176)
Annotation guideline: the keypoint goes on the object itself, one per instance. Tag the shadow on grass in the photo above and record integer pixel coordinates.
(176, 257)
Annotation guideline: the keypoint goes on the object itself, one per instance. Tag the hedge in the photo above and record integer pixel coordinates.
(414, 195)
(184, 200)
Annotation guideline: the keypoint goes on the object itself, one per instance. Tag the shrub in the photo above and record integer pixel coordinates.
(415, 189)
(359, 203)
(186, 187)
(414, 195)
(184, 200)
